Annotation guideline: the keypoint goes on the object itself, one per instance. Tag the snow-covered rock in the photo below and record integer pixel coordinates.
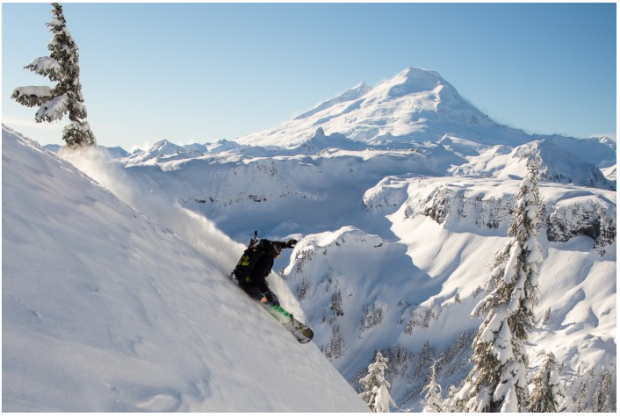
(320, 142)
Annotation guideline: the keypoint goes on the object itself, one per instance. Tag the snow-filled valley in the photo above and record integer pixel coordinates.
(115, 264)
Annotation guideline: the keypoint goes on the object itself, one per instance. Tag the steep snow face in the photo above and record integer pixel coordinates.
(106, 310)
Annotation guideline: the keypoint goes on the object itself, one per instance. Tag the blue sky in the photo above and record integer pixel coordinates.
(203, 72)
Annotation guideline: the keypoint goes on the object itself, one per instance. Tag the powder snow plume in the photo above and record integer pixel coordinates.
(196, 230)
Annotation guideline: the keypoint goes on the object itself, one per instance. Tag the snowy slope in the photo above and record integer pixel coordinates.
(610, 173)
(105, 309)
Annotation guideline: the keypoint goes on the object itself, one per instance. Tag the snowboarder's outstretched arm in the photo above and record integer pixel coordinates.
(289, 243)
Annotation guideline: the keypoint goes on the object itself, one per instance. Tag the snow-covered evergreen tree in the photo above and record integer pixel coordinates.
(450, 405)
(548, 394)
(376, 388)
(433, 403)
(603, 400)
(498, 380)
(66, 97)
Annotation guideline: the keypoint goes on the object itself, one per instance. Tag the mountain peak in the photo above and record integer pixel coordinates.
(413, 80)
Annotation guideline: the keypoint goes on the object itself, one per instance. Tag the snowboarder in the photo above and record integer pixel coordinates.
(251, 273)
(254, 268)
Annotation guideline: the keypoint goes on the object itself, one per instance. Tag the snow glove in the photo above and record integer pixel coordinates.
(290, 243)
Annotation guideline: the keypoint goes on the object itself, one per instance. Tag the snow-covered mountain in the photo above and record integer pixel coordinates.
(416, 110)
(400, 194)
(610, 172)
(415, 106)
(106, 309)
(166, 150)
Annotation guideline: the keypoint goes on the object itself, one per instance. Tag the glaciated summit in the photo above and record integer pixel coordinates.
(412, 81)
(415, 105)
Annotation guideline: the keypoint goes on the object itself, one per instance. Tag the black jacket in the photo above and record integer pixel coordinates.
(262, 268)
(261, 271)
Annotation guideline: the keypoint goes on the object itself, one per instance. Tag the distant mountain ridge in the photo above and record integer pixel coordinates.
(416, 109)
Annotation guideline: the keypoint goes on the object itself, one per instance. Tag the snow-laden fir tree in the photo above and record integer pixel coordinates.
(450, 404)
(433, 403)
(548, 394)
(498, 380)
(604, 400)
(376, 388)
(66, 97)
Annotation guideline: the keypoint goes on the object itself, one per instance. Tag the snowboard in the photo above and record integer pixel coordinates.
(300, 331)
